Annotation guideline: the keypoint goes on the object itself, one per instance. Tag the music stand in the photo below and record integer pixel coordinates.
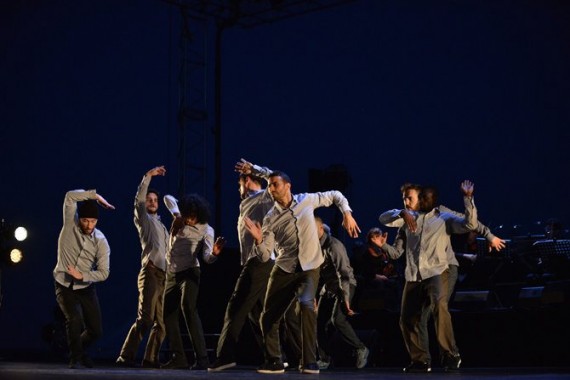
(552, 247)
(555, 256)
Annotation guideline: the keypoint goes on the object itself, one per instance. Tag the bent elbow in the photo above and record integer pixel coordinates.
(471, 225)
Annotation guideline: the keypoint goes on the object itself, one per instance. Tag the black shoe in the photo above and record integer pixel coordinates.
(174, 364)
(451, 362)
(220, 365)
(124, 362)
(75, 364)
(311, 368)
(149, 364)
(199, 366)
(86, 361)
(417, 367)
(275, 366)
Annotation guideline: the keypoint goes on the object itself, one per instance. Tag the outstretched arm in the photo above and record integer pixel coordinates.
(493, 241)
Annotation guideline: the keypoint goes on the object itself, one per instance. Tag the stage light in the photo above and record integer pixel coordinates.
(16, 255)
(20, 233)
(11, 238)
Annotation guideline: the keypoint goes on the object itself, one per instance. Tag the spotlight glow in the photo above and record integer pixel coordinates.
(16, 255)
(21, 234)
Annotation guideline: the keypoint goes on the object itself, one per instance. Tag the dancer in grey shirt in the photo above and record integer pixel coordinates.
(190, 235)
(153, 236)
(339, 285)
(246, 300)
(289, 230)
(427, 248)
(83, 256)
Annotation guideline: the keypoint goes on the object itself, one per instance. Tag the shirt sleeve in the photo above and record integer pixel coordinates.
(261, 171)
(208, 246)
(467, 223)
(140, 218)
(391, 218)
(328, 198)
(398, 249)
(342, 265)
(101, 268)
(70, 204)
(481, 229)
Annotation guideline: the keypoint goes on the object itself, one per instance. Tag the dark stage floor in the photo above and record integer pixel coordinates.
(45, 371)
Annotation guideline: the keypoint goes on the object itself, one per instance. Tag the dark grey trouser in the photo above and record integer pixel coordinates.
(335, 317)
(245, 302)
(149, 316)
(431, 294)
(282, 290)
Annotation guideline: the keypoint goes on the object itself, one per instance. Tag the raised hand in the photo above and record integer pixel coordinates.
(243, 166)
(467, 188)
(159, 170)
(218, 245)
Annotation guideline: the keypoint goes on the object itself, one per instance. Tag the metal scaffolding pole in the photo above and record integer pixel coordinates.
(201, 18)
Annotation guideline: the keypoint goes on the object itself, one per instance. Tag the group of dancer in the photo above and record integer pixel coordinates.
(286, 254)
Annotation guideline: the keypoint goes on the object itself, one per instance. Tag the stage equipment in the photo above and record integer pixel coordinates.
(10, 242)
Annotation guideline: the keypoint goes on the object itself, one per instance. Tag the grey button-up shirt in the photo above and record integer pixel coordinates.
(255, 206)
(292, 232)
(153, 235)
(90, 254)
(392, 218)
(188, 243)
(428, 250)
(336, 272)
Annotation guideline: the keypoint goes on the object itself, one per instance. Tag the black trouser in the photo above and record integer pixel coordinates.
(282, 290)
(181, 292)
(82, 317)
(332, 315)
(245, 302)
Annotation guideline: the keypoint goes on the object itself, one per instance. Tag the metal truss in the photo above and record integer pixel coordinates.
(199, 111)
